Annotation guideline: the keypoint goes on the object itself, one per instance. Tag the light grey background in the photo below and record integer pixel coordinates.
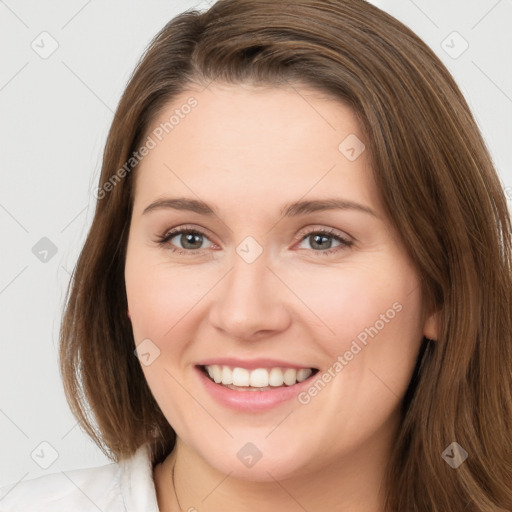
(55, 114)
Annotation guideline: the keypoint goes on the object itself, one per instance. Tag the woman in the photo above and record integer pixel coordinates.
(369, 374)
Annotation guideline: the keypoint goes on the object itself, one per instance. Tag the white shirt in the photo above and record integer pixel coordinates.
(127, 486)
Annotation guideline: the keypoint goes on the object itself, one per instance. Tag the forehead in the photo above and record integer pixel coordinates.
(255, 144)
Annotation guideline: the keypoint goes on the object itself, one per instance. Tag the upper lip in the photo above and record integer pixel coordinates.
(251, 364)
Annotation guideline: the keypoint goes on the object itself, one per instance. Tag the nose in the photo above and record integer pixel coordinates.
(250, 303)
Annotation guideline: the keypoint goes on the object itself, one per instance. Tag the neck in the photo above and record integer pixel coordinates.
(353, 483)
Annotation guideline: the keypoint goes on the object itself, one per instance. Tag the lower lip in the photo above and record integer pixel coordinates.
(252, 401)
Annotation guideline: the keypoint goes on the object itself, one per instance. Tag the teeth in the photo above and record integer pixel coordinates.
(258, 378)
(290, 376)
(275, 377)
(303, 374)
(227, 375)
(217, 374)
(240, 377)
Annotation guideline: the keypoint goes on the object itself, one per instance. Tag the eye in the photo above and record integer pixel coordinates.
(322, 239)
(190, 239)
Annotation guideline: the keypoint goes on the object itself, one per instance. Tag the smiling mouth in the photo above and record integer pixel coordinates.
(259, 379)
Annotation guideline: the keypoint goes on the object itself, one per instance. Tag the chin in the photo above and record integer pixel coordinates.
(261, 461)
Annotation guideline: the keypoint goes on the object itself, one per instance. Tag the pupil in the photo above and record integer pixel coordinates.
(316, 239)
(190, 239)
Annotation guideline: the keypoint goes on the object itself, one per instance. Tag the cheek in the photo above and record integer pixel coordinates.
(379, 330)
(158, 296)
(361, 303)
(160, 300)
(376, 321)
(370, 331)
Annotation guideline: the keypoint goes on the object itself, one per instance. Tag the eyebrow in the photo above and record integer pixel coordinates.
(294, 209)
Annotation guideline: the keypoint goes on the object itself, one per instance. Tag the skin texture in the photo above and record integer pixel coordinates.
(249, 151)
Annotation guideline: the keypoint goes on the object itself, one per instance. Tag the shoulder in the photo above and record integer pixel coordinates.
(116, 487)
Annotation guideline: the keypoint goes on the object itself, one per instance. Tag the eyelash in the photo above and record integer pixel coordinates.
(163, 240)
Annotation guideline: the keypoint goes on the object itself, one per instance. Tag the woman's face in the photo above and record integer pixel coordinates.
(287, 267)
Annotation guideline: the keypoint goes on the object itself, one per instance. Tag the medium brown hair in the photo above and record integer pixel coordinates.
(441, 193)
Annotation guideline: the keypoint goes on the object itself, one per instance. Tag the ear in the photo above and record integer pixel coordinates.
(431, 326)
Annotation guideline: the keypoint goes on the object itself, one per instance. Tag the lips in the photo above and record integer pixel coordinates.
(253, 386)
